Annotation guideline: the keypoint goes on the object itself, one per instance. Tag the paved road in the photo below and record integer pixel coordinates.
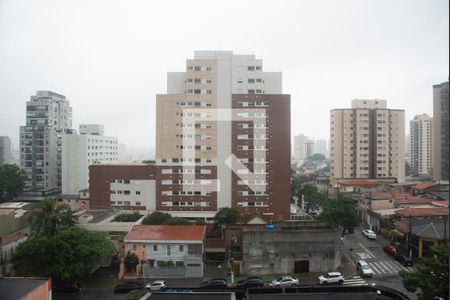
(385, 267)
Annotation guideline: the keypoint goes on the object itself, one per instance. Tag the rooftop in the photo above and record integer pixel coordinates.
(422, 212)
(359, 182)
(18, 288)
(166, 233)
(424, 186)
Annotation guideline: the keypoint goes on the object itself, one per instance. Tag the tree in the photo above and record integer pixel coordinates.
(12, 182)
(226, 216)
(317, 157)
(156, 218)
(431, 278)
(48, 218)
(124, 217)
(131, 261)
(340, 212)
(63, 256)
(314, 200)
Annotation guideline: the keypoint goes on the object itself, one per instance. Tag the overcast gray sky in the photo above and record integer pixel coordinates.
(110, 58)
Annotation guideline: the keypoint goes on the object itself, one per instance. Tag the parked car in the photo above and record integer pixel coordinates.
(369, 234)
(364, 269)
(215, 283)
(128, 286)
(391, 250)
(156, 285)
(285, 281)
(250, 282)
(68, 287)
(404, 260)
(331, 277)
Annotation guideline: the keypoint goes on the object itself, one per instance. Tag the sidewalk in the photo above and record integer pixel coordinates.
(347, 267)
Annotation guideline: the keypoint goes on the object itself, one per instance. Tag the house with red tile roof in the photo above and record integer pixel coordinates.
(423, 212)
(168, 250)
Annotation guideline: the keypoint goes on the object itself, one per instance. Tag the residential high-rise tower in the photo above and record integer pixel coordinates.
(223, 138)
(79, 151)
(5, 150)
(440, 131)
(48, 116)
(367, 141)
(420, 133)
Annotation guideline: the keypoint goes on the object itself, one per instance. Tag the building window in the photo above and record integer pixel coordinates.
(179, 263)
(138, 192)
(181, 248)
(133, 247)
(155, 248)
(126, 192)
(168, 250)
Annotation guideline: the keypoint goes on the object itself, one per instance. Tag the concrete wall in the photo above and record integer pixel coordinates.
(275, 252)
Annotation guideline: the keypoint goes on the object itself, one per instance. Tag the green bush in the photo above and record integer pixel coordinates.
(135, 294)
(131, 261)
(127, 217)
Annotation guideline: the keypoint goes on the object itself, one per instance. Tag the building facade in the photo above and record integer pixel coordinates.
(5, 151)
(420, 138)
(127, 186)
(168, 250)
(367, 141)
(216, 110)
(79, 151)
(48, 117)
(440, 131)
(284, 248)
(299, 147)
(321, 147)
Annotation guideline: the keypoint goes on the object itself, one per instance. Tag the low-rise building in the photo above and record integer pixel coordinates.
(168, 250)
(24, 288)
(127, 186)
(284, 248)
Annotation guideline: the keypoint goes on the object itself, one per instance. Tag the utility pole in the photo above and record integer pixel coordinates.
(409, 236)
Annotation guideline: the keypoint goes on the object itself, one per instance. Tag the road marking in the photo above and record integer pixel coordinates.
(355, 281)
(400, 266)
(389, 267)
(375, 269)
(381, 267)
(367, 250)
(363, 255)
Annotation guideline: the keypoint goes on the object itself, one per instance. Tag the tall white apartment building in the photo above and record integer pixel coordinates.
(5, 151)
(299, 147)
(321, 147)
(213, 83)
(367, 141)
(420, 139)
(79, 151)
(48, 117)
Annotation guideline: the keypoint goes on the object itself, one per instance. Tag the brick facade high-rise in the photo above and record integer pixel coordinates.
(197, 133)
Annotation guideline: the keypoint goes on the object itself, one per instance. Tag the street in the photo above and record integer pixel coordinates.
(385, 267)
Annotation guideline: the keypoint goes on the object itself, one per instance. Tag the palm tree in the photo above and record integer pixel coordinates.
(48, 218)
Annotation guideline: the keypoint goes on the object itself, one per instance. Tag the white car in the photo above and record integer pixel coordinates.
(369, 234)
(156, 285)
(364, 269)
(285, 281)
(331, 277)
